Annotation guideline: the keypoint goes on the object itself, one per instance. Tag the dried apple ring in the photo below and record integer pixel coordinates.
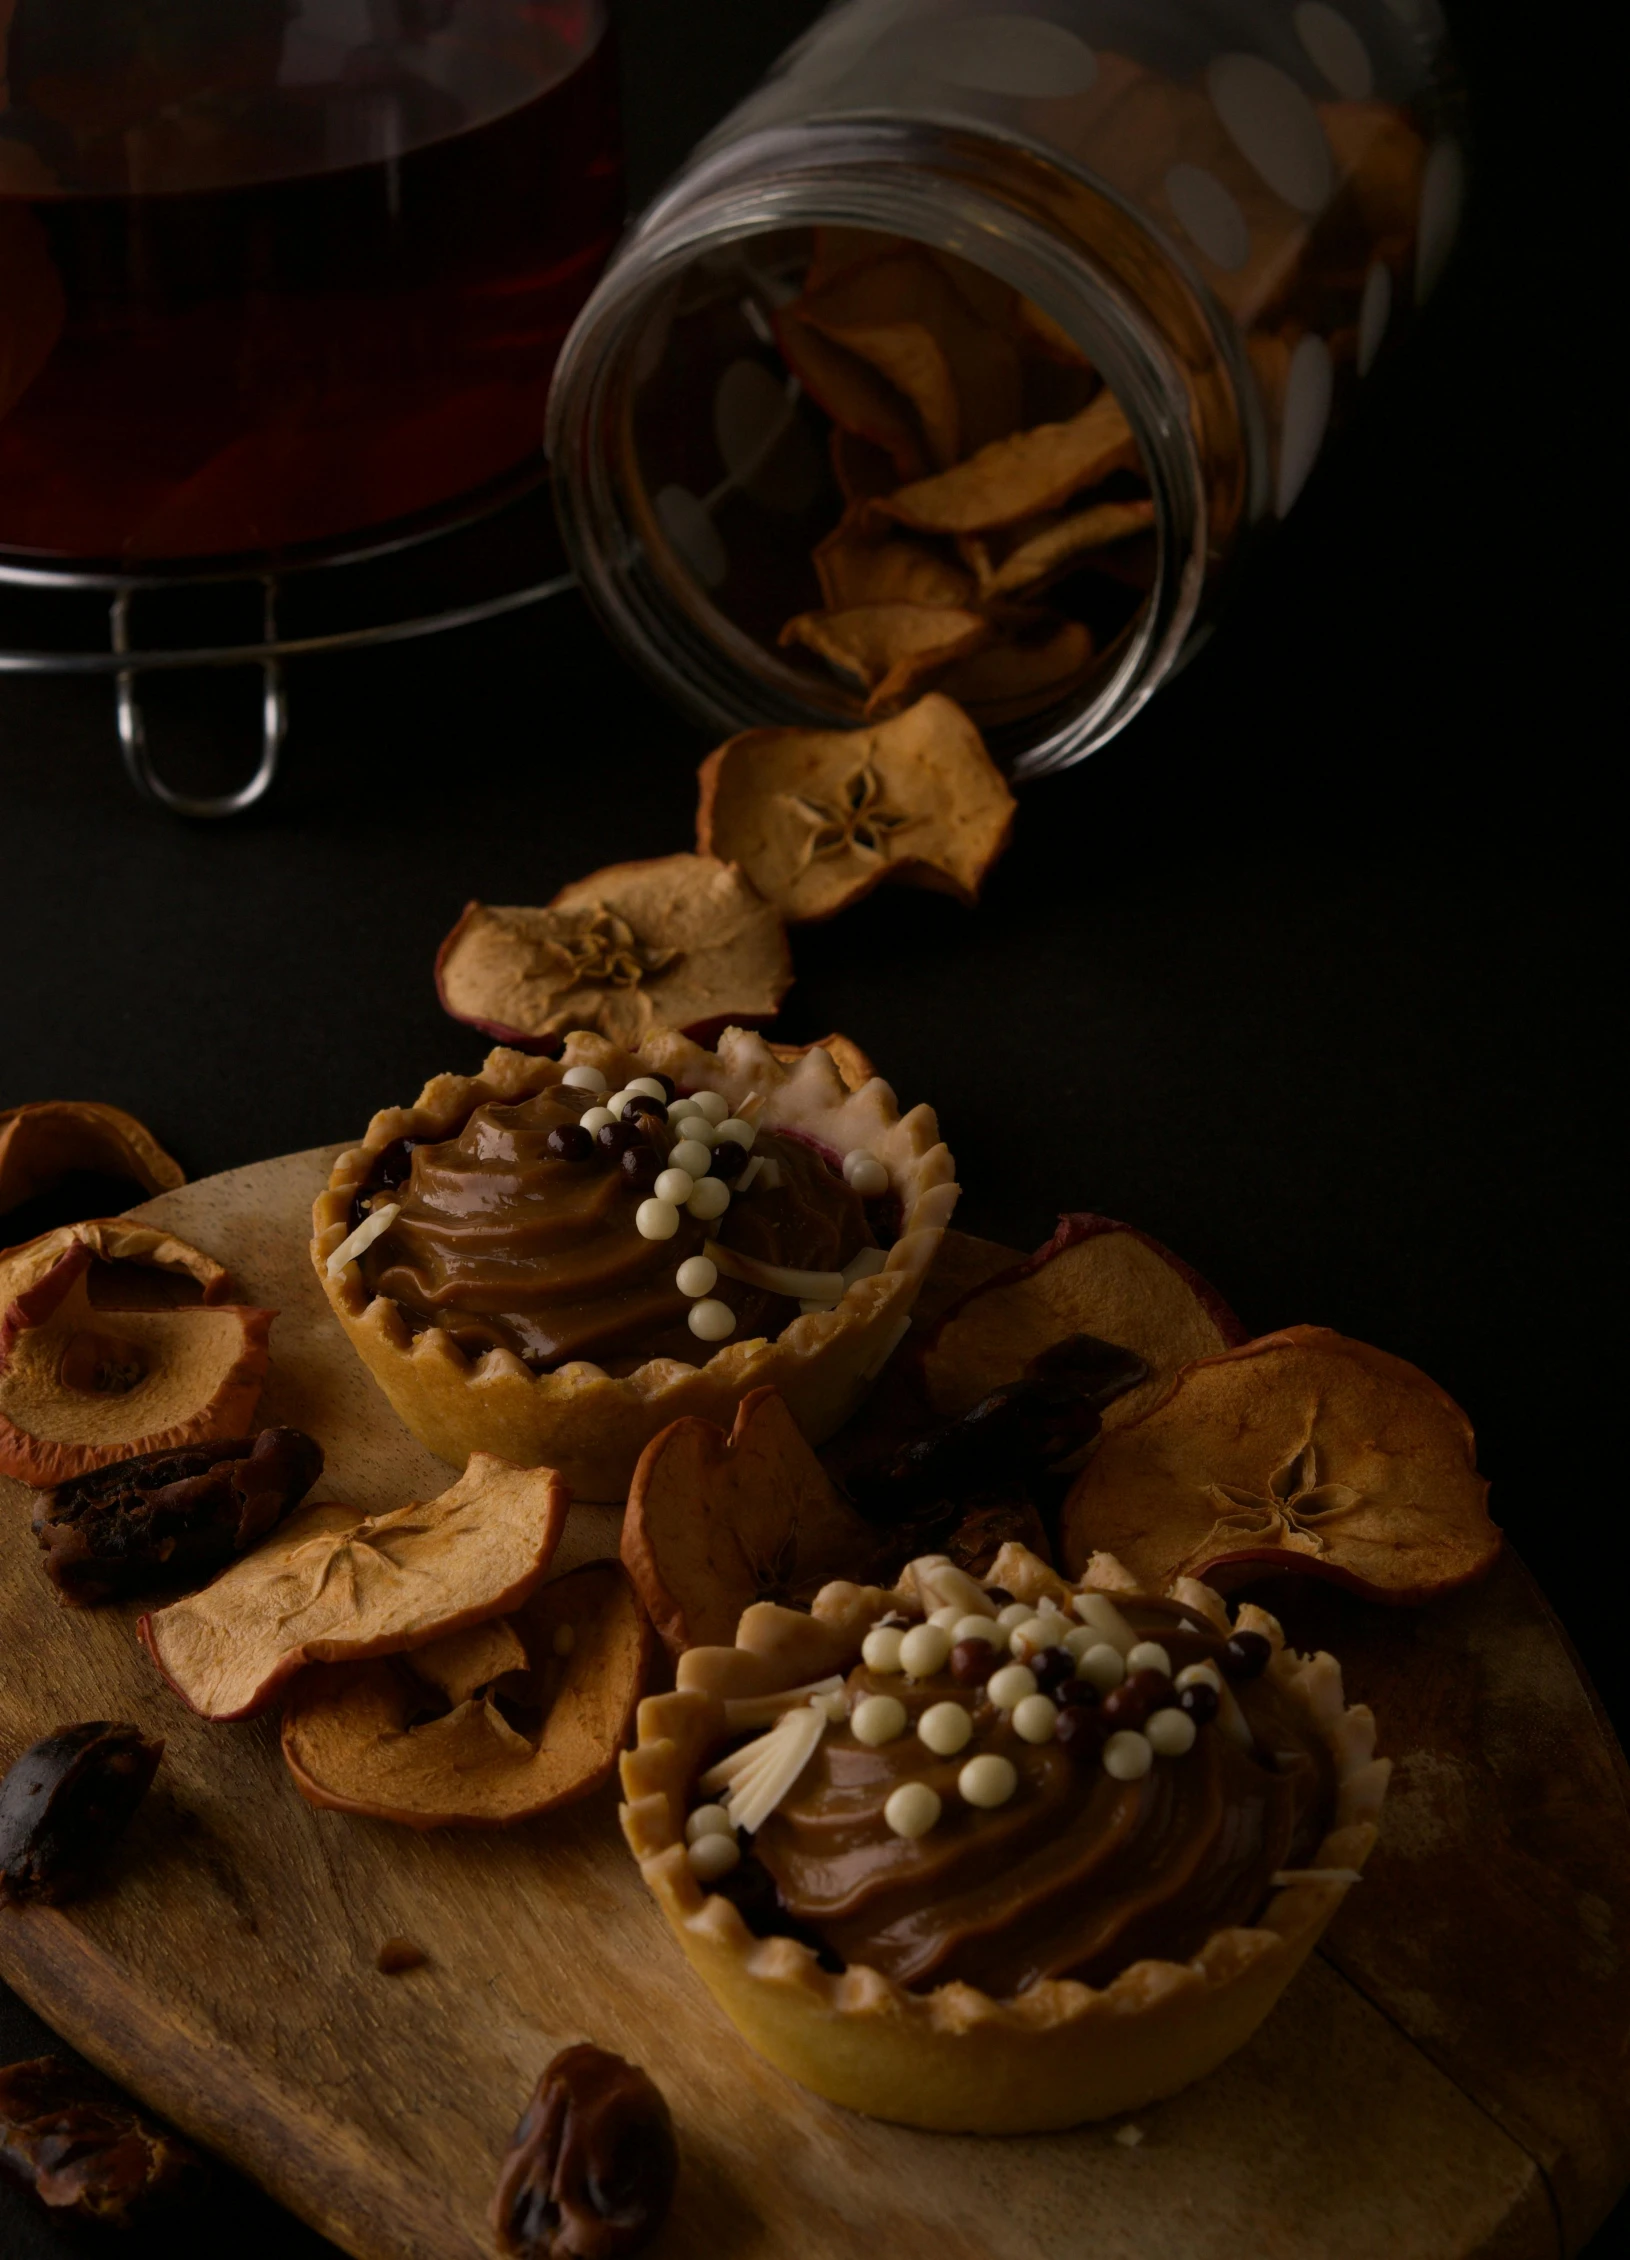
(42, 1143)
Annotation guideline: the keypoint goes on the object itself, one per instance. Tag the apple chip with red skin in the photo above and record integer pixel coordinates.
(1094, 1276)
(332, 1585)
(50, 1139)
(1301, 1451)
(716, 1522)
(680, 941)
(541, 1703)
(86, 1380)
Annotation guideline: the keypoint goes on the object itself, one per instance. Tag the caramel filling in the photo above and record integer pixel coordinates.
(502, 1244)
(1077, 1874)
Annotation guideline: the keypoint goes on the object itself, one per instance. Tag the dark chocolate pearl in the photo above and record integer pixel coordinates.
(1155, 1689)
(1000, 1595)
(1245, 1656)
(616, 1138)
(729, 1160)
(569, 1141)
(1200, 1702)
(972, 1662)
(639, 1167)
(668, 1085)
(643, 1103)
(1054, 1668)
(1126, 1705)
(1081, 1729)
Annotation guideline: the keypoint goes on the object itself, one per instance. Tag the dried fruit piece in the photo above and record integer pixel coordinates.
(171, 1515)
(332, 1585)
(716, 1522)
(542, 1703)
(139, 1255)
(1008, 679)
(682, 941)
(65, 1804)
(817, 818)
(892, 651)
(1025, 558)
(1299, 1451)
(1019, 477)
(858, 567)
(1094, 1276)
(52, 1139)
(83, 1384)
(590, 2170)
(848, 1058)
(858, 400)
(85, 2150)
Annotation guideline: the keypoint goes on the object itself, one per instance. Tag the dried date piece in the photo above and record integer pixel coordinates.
(171, 1515)
(590, 2170)
(64, 1805)
(85, 2150)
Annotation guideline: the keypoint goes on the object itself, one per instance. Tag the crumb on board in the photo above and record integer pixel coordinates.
(398, 1954)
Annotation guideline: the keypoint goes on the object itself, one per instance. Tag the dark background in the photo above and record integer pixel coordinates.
(1305, 974)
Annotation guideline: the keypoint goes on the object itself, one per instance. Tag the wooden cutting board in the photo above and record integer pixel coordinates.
(1445, 2079)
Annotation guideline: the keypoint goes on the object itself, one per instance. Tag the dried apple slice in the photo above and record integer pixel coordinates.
(891, 651)
(850, 1061)
(1018, 477)
(584, 1648)
(43, 1143)
(716, 1522)
(1025, 558)
(857, 567)
(858, 400)
(1007, 680)
(333, 1585)
(681, 942)
(1094, 1276)
(1301, 1451)
(84, 1384)
(817, 818)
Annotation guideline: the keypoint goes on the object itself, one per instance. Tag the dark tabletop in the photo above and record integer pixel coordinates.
(1306, 974)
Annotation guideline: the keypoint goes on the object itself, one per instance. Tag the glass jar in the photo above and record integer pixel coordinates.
(1230, 213)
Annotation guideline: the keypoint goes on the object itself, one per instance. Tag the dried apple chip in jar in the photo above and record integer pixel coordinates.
(540, 1704)
(1019, 477)
(50, 1139)
(891, 651)
(857, 566)
(1035, 662)
(681, 941)
(1301, 1451)
(87, 1379)
(817, 818)
(1025, 558)
(332, 1585)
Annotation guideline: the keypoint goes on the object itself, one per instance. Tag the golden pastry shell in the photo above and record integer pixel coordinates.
(590, 1426)
(954, 2059)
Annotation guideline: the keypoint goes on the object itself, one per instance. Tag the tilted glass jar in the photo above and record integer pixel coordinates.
(1232, 211)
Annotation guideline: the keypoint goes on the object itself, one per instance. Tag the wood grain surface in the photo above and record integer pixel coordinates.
(1447, 2079)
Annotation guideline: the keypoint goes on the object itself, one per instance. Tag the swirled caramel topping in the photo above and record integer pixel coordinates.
(1073, 1873)
(504, 1242)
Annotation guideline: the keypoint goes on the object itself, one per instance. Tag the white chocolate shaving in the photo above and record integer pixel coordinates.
(776, 1278)
(367, 1232)
(764, 1710)
(1099, 1611)
(788, 1748)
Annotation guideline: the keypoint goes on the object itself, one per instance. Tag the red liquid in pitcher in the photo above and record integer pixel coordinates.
(287, 308)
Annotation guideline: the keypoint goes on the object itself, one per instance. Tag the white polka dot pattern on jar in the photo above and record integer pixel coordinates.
(1335, 50)
(1022, 56)
(1274, 127)
(1443, 190)
(1307, 413)
(1374, 313)
(1209, 216)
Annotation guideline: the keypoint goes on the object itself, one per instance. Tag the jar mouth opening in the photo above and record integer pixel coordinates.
(682, 424)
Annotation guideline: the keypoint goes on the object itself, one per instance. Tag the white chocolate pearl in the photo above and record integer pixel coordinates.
(1034, 1719)
(1128, 1756)
(692, 1156)
(987, 1781)
(656, 1220)
(711, 1321)
(1016, 1612)
(713, 1856)
(647, 1087)
(710, 1105)
(878, 1719)
(595, 1118)
(697, 1275)
(833, 1705)
(683, 1118)
(1010, 1685)
(912, 1809)
(924, 1649)
(880, 1650)
(708, 1820)
(868, 1177)
(710, 1199)
(1036, 1633)
(738, 1132)
(947, 1618)
(1199, 1675)
(1170, 1733)
(675, 1185)
(1103, 1665)
(1149, 1655)
(617, 1101)
(945, 1728)
(978, 1628)
(1079, 1639)
(585, 1079)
